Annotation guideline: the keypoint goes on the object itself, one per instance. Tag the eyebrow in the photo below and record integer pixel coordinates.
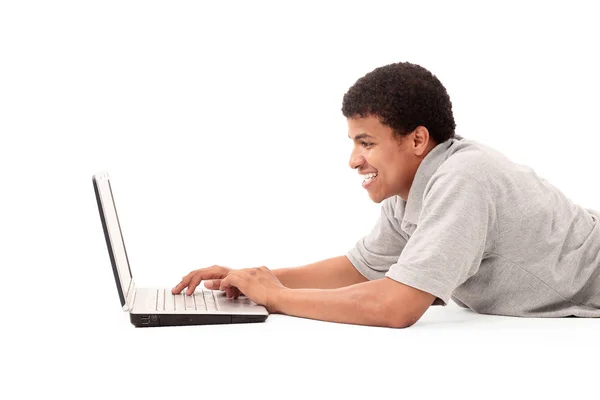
(362, 136)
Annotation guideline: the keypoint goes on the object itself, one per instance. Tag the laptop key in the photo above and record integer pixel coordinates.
(209, 299)
(151, 300)
(189, 302)
(169, 301)
(200, 306)
(160, 304)
(179, 302)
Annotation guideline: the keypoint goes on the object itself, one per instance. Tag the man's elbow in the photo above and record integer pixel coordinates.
(391, 315)
(398, 305)
(401, 321)
(404, 314)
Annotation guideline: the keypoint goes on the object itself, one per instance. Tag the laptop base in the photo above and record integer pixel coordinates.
(149, 320)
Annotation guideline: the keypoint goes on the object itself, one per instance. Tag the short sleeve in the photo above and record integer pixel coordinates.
(375, 253)
(448, 244)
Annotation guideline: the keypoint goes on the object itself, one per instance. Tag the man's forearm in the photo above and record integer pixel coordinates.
(332, 273)
(363, 304)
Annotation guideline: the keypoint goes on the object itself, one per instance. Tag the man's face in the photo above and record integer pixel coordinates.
(393, 161)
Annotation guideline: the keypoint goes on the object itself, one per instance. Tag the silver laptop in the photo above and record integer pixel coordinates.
(157, 306)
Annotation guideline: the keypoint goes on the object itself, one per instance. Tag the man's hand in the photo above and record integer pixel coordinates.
(259, 284)
(212, 277)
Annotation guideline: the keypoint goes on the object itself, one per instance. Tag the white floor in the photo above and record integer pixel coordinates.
(449, 353)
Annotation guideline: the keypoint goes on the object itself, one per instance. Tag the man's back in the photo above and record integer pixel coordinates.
(545, 259)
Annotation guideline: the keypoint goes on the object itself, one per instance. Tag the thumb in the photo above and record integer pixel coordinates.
(212, 284)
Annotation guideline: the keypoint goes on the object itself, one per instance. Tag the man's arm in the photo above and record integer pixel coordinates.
(332, 273)
(382, 302)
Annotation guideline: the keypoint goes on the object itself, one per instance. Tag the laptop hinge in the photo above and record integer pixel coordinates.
(130, 297)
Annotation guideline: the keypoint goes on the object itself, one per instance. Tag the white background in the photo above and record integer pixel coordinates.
(220, 126)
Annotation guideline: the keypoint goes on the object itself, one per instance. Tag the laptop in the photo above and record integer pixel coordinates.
(157, 306)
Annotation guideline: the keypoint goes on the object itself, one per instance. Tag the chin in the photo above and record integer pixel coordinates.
(377, 198)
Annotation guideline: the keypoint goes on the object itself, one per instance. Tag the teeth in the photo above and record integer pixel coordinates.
(369, 177)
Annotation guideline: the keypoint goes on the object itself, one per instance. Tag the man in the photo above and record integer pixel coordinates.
(458, 221)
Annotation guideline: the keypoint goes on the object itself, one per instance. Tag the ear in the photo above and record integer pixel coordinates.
(420, 140)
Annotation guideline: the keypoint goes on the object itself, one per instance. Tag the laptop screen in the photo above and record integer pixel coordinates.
(113, 234)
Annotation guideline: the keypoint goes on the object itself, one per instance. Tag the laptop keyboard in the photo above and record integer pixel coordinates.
(201, 300)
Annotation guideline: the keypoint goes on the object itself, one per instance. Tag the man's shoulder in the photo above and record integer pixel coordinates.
(471, 169)
(473, 159)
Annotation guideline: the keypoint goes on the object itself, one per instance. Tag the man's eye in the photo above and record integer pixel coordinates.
(366, 144)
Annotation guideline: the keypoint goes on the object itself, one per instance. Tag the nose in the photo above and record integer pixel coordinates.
(356, 160)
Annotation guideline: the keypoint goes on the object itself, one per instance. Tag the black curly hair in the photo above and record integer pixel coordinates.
(403, 96)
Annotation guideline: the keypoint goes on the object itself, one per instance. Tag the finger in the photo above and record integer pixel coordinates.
(235, 292)
(184, 282)
(225, 282)
(195, 281)
(216, 271)
(230, 291)
(212, 284)
(233, 279)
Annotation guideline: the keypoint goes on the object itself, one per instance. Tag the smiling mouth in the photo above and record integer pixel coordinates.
(369, 178)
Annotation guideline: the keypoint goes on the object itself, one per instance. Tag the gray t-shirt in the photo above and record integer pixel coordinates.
(488, 233)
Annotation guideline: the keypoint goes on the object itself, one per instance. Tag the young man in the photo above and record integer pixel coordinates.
(458, 221)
